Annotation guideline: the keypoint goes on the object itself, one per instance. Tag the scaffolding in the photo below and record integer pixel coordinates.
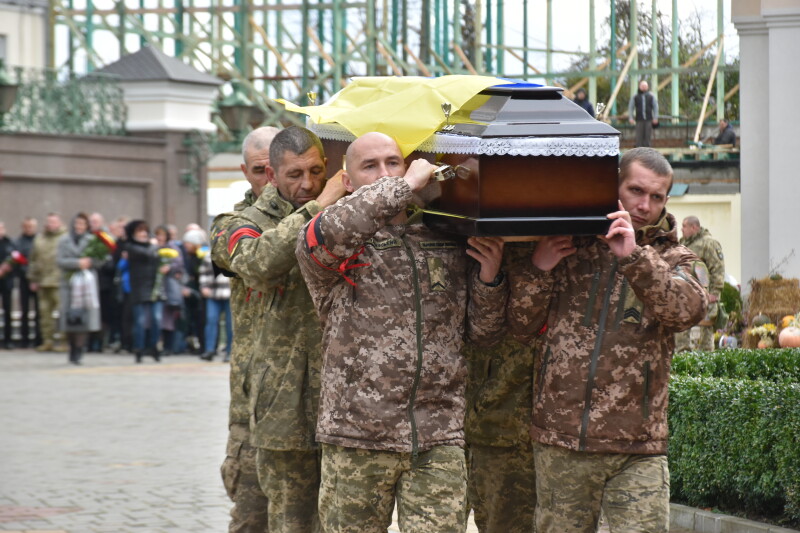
(304, 50)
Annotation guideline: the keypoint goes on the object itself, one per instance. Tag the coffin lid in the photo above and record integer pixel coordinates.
(519, 119)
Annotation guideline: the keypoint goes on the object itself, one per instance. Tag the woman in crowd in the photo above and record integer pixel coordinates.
(79, 292)
(146, 294)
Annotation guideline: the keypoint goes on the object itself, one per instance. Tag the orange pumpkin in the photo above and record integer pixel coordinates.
(765, 343)
(789, 337)
(787, 321)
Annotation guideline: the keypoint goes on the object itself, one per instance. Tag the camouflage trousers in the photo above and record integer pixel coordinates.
(501, 488)
(48, 302)
(249, 512)
(290, 480)
(697, 338)
(573, 487)
(359, 489)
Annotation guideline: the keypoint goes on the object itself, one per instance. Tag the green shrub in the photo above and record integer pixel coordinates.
(733, 444)
(777, 365)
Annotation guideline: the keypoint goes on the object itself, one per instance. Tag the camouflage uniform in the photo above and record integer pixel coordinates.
(601, 383)
(239, 474)
(392, 300)
(284, 377)
(708, 249)
(501, 485)
(44, 271)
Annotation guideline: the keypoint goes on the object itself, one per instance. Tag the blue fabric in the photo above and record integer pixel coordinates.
(146, 322)
(214, 308)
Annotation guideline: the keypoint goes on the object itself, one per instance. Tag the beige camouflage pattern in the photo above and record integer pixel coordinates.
(601, 382)
(359, 488)
(249, 513)
(393, 373)
(290, 479)
(241, 311)
(501, 488)
(239, 475)
(573, 487)
(708, 249)
(284, 378)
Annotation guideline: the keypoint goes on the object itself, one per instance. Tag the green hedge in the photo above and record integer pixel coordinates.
(734, 444)
(778, 365)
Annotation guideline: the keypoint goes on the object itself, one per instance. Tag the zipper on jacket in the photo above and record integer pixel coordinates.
(587, 318)
(415, 385)
(542, 372)
(598, 343)
(646, 399)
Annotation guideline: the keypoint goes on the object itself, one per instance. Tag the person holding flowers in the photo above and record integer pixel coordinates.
(80, 305)
(147, 290)
(173, 287)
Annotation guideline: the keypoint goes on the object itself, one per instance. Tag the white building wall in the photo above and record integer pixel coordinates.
(769, 70)
(719, 214)
(25, 32)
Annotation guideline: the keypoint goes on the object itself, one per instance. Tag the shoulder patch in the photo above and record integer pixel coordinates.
(384, 244)
(242, 232)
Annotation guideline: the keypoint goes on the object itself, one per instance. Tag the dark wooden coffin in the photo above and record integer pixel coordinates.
(535, 164)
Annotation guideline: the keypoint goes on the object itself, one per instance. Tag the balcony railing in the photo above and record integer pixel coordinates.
(46, 103)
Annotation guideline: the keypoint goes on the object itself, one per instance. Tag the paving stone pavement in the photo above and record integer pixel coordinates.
(111, 446)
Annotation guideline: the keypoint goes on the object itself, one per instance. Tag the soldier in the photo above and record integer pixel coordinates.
(239, 474)
(44, 277)
(611, 306)
(284, 366)
(501, 485)
(392, 298)
(708, 249)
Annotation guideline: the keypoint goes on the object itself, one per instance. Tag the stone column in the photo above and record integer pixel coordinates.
(754, 145)
(784, 141)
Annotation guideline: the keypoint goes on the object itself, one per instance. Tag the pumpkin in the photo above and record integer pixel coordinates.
(760, 320)
(787, 321)
(766, 343)
(789, 337)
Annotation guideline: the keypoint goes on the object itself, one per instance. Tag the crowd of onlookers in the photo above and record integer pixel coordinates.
(86, 286)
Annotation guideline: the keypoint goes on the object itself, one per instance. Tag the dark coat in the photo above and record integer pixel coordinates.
(143, 263)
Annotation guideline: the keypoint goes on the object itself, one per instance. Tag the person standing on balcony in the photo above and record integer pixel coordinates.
(643, 112)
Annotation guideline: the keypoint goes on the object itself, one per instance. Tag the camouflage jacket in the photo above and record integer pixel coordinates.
(601, 383)
(500, 383)
(242, 310)
(43, 268)
(284, 369)
(392, 300)
(709, 251)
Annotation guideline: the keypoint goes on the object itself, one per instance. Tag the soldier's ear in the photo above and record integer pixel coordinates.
(272, 177)
(348, 184)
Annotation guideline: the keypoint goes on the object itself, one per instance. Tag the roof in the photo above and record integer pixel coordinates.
(151, 64)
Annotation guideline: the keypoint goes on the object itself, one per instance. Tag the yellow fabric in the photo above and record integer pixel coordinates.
(406, 108)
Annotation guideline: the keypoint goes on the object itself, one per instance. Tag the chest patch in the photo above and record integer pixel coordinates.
(438, 245)
(437, 274)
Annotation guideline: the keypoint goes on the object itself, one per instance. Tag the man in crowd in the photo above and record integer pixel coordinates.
(44, 277)
(392, 296)
(643, 112)
(699, 240)
(605, 311)
(239, 474)
(284, 390)
(27, 298)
